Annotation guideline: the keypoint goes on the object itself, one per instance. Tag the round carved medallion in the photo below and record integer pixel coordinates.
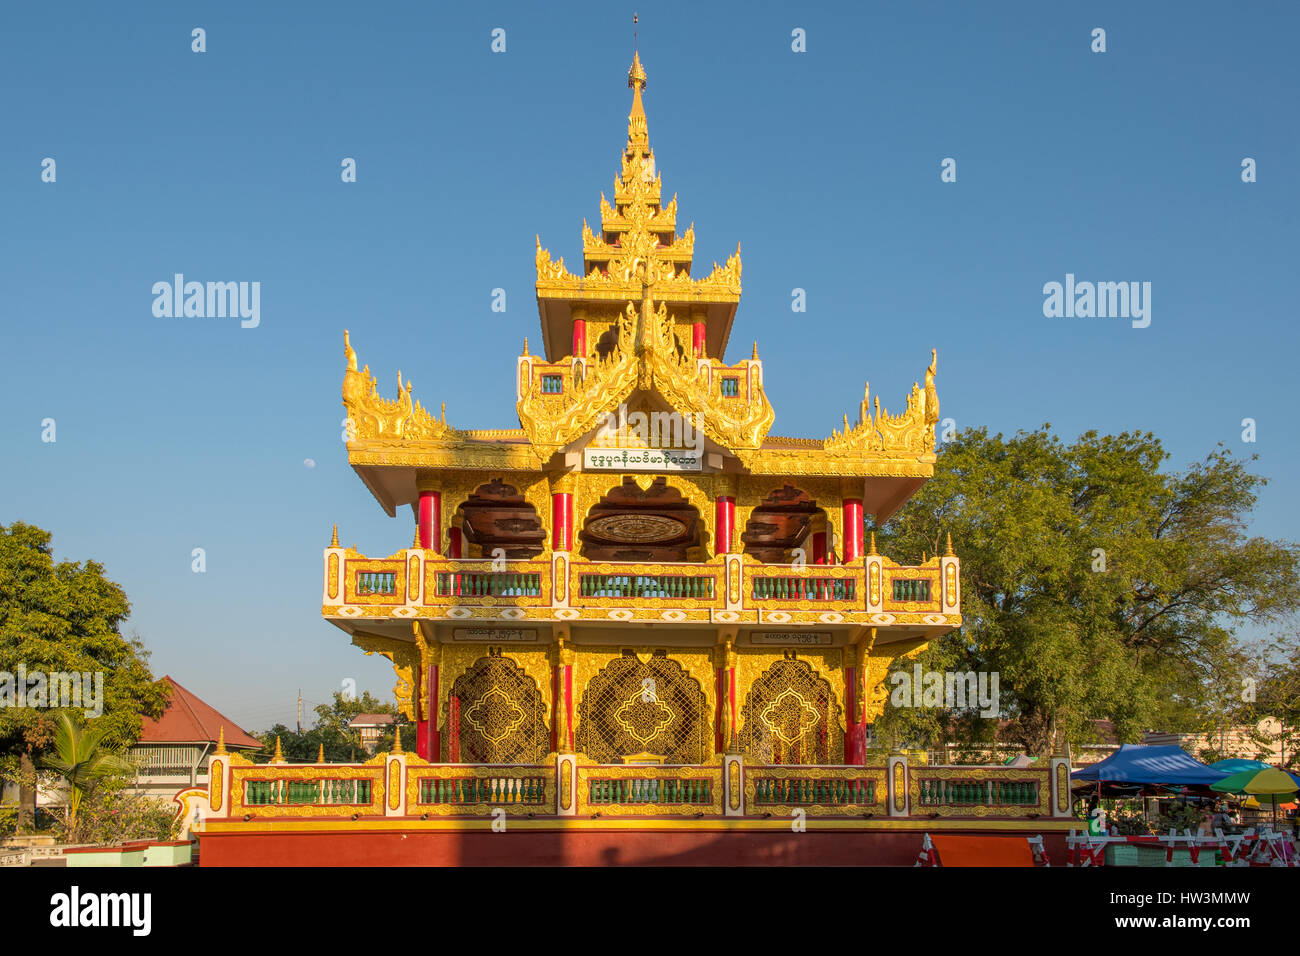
(636, 528)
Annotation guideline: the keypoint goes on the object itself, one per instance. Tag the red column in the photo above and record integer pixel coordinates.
(454, 545)
(697, 339)
(854, 750)
(430, 520)
(726, 522)
(731, 698)
(580, 338)
(568, 703)
(852, 529)
(562, 521)
(432, 748)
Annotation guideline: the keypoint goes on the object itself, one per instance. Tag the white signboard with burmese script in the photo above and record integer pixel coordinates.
(494, 635)
(642, 459)
(790, 637)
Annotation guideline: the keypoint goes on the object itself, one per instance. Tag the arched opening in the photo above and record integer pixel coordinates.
(495, 516)
(634, 707)
(786, 519)
(647, 525)
(496, 714)
(791, 716)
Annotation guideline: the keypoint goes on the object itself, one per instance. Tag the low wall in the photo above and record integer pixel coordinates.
(675, 845)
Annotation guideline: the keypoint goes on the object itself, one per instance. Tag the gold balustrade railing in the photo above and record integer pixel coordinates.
(646, 790)
(845, 791)
(403, 785)
(423, 578)
(959, 791)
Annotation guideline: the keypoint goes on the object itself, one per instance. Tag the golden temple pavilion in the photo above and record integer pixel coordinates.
(638, 605)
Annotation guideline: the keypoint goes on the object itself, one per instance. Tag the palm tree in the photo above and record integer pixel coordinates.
(78, 759)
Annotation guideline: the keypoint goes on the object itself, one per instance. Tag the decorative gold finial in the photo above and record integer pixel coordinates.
(873, 543)
(416, 542)
(221, 740)
(278, 756)
(347, 351)
(638, 136)
(525, 345)
(334, 538)
(444, 413)
(948, 553)
(755, 351)
(397, 738)
(320, 754)
(636, 78)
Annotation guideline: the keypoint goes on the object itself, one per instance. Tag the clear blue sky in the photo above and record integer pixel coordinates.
(174, 434)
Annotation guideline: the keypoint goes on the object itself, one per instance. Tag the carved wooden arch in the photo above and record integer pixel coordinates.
(535, 490)
(594, 486)
(824, 491)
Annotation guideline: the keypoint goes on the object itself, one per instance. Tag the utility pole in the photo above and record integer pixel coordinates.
(299, 710)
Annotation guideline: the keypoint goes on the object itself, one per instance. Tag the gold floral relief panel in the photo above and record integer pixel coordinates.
(646, 703)
(503, 715)
(792, 715)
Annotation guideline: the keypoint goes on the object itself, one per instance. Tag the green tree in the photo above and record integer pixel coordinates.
(331, 731)
(79, 759)
(65, 617)
(1094, 582)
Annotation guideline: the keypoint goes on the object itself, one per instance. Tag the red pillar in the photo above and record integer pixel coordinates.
(454, 546)
(855, 741)
(697, 339)
(568, 704)
(852, 529)
(726, 522)
(818, 538)
(432, 746)
(430, 517)
(580, 338)
(562, 521)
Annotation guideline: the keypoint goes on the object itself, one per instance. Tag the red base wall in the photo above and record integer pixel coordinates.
(576, 848)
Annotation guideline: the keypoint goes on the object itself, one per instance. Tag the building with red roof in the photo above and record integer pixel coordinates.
(172, 751)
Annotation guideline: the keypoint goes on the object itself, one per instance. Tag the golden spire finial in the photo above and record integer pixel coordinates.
(397, 738)
(755, 352)
(221, 740)
(334, 539)
(948, 553)
(638, 137)
(348, 351)
(320, 754)
(416, 542)
(278, 756)
(525, 345)
(873, 543)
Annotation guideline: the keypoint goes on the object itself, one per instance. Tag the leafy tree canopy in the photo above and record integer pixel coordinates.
(1097, 584)
(67, 616)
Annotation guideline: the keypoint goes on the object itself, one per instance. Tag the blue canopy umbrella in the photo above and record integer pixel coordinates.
(1141, 765)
